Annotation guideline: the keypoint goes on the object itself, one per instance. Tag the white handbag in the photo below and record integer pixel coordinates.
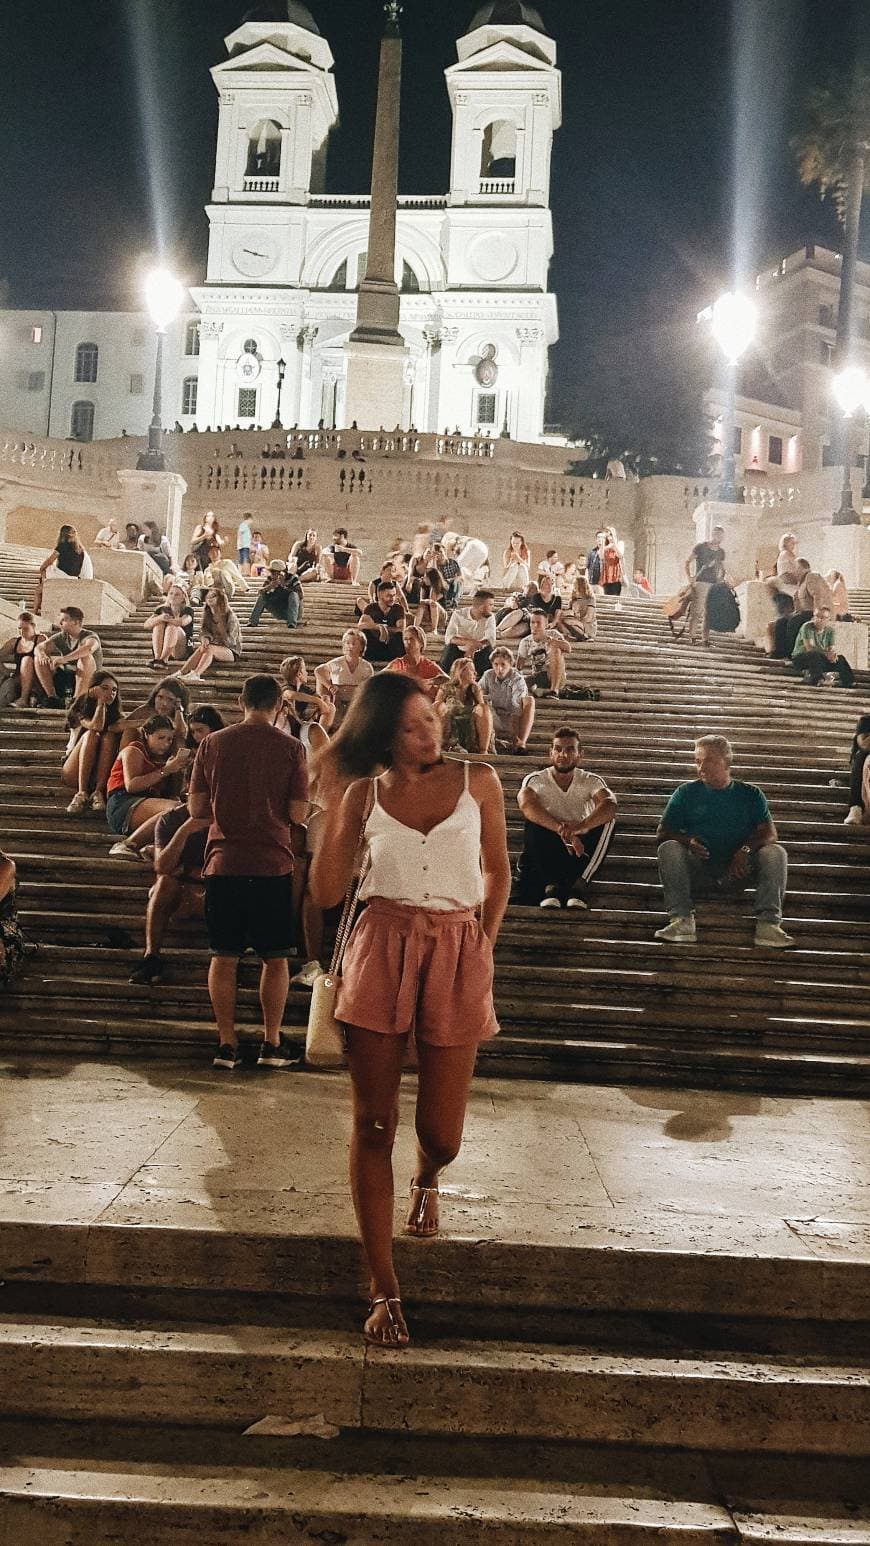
(324, 1040)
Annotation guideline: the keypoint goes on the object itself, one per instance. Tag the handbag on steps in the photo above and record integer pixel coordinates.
(324, 1040)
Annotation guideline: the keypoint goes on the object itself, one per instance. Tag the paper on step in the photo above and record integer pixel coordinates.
(314, 1426)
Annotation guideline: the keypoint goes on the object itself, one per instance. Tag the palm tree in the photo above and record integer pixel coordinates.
(833, 148)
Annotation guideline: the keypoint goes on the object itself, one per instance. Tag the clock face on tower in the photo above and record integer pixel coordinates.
(255, 256)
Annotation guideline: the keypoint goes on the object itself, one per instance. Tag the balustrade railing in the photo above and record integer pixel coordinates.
(261, 184)
(502, 186)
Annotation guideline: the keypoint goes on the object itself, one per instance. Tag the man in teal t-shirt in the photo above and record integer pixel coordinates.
(716, 832)
(814, 651)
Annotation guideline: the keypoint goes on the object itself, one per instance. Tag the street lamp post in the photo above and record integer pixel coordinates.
(852, 391)
(733, 321)
(282, 371)
(163, 296)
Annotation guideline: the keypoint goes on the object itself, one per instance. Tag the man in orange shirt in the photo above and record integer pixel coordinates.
(414, 663)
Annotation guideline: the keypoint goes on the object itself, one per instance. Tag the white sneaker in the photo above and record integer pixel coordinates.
(772, 936)
(578, 904)
(98, 802)
(192, 676)
(78, 804)
(855, 817)
(124, 850)
(680, 931)
(307, 976)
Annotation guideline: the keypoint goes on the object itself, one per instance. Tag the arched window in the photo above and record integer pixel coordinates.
(339, 278)
(81, 424)
(87, 361)
(191, 339)
(410, 282)
(264, 149)
(189, 389)
(499, 153)
(251, 346)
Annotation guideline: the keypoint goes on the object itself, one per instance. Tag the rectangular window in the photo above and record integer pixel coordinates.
(826, 316)
(138, 337)
(826, 351)
(188, 396)
(774, 450)
(737, 440)
(137, 385)
(486, 407)
(191, 339)
(36, 334)
(247, 402)
(36, 381)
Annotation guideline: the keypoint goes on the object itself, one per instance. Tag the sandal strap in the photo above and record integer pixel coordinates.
(428, 1191)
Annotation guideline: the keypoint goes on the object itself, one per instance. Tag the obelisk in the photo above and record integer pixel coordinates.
(376, 354)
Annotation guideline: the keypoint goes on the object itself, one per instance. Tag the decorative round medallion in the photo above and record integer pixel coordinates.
(486, 369)
(493, 257)
(248, 368)
(255, 256)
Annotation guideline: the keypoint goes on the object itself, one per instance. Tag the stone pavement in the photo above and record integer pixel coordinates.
(174, 1146)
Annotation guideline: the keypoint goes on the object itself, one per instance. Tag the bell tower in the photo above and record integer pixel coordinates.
(278, 107)
(505, 92)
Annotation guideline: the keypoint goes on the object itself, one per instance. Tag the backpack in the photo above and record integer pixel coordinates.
(723, 609)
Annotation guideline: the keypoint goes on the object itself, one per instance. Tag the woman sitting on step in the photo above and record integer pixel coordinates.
(303, 712)
(466, 719)
(171, 629)
(580, 620)
(419, 963)
(304, 558)
(220, 637)
(94, 723)
(141, 787)
(170, 697)
(16, 655)
(68, 560)
(11, 937)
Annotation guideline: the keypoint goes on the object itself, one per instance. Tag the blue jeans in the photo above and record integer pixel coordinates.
(294, 608)
(679, 871)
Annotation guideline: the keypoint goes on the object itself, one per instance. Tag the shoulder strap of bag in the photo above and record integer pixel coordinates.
(360, 866)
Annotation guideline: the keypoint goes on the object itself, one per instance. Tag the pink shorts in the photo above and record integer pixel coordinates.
(407, 969)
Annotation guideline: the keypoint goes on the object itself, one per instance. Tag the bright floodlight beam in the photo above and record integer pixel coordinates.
(733, 326)
(164, 296)
(851, 388)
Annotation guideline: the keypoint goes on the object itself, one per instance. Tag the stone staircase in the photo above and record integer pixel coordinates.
(594, 1392)
(594, 997)
(684, 1381)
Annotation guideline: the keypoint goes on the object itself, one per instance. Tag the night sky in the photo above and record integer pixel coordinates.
(109, 118)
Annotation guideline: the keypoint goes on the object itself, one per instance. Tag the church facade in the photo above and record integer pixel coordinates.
(285, 258)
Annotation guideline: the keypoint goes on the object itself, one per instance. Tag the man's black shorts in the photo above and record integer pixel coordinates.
(249, 910)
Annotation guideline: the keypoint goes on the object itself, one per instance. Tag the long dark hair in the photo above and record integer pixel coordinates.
(176, 686)
(365, 740)
(206, 714)
(83, 705)
(70, 553)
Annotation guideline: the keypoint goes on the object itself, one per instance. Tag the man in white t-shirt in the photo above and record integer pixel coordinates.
(541, 656)
(570, 816)
(341, 676)
(471, 632)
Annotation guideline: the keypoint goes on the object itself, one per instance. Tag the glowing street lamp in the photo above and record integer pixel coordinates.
(851, 388)
(733, 320)
(164, 295)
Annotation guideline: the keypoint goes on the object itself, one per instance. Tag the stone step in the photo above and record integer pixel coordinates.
(704, 1398)
(79, 1485)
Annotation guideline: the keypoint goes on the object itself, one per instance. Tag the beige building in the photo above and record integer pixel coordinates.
(785, 384)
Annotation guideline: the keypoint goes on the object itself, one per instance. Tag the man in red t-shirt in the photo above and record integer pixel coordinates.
(414, 663)
(251, 783)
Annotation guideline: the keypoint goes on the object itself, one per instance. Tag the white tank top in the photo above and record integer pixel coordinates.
(439, 870)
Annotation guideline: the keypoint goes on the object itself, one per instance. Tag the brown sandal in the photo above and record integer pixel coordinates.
(417, 1215)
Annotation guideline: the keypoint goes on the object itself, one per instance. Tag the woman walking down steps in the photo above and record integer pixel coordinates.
(419, 963)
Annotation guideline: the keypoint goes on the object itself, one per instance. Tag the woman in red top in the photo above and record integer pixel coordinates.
(139, 786)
